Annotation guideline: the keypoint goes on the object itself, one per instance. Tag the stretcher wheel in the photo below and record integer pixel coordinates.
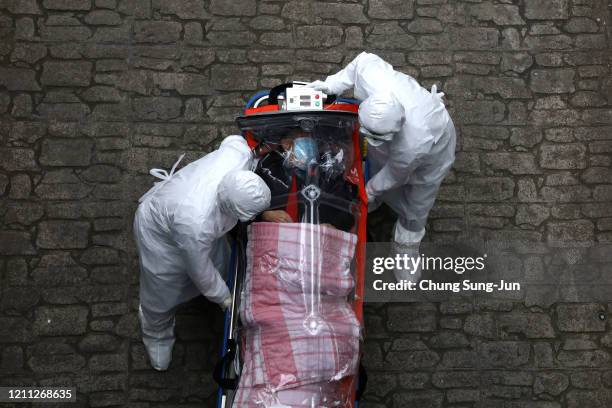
(226, 361)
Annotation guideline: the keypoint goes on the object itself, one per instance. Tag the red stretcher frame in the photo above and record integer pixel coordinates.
(360, 253)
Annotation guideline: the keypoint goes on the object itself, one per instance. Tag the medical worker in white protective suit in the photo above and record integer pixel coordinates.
(179, 229)
(411, 141)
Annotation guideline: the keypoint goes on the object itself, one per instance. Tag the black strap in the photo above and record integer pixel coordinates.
(277, 90)
(227, 359)
(274, 92)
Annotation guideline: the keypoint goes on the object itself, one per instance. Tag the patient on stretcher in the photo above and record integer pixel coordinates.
(300, 337)
(296, 162)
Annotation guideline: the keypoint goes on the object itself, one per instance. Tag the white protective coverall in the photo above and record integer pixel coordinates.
(406, 172)
(180, 228)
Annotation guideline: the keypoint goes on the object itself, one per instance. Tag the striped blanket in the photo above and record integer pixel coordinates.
(300, 334)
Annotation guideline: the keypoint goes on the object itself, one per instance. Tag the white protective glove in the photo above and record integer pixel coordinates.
(226, 304)
(373, 201)
(373, 204)
(321, 86)
(434, 92)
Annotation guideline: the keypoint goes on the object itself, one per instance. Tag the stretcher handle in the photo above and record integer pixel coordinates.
(274, 92)
(228, 358)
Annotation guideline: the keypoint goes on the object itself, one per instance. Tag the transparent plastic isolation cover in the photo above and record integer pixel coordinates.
(300, 337)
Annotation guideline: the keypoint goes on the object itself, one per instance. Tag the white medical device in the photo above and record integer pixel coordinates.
(302, 98)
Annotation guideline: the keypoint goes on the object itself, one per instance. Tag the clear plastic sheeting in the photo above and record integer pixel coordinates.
(300, 335)
(308, 161)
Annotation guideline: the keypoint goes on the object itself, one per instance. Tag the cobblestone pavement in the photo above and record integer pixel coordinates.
(93, 93)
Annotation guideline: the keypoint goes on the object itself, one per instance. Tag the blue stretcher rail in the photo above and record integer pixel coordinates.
(227, 318)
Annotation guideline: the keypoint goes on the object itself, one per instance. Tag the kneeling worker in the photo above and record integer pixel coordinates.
(179, 229)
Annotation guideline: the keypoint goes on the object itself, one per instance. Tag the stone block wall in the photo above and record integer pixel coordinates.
(94, 93)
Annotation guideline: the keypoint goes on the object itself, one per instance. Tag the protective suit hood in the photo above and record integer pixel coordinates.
(243, 194)
(381, 115)
(237, 143)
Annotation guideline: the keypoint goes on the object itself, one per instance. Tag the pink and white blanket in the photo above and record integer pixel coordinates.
(300, 334)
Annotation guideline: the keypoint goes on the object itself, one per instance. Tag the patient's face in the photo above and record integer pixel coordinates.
(285, 144)
(287, 141)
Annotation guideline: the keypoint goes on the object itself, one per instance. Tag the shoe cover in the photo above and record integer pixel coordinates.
(403, 236)
(407, 274)
(158, 343)
(406, 242)
(159, 352)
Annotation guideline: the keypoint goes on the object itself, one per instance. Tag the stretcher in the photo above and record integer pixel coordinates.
(293, 335)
